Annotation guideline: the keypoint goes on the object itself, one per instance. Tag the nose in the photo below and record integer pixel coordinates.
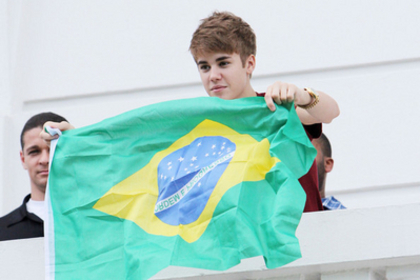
(215, 74)
(45, 157)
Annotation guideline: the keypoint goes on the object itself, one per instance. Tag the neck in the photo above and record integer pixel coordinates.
(37, 194)
(322, 187)
(248, 92)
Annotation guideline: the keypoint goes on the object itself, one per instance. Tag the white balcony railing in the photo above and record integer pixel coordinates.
(361, 244)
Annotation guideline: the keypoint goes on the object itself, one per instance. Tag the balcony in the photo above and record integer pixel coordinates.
(360, 244)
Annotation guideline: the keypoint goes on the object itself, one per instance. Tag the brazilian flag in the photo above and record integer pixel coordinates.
(200, 182)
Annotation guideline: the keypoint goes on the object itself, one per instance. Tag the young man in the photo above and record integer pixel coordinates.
(325, 164)
(27, 220)
(224, 48)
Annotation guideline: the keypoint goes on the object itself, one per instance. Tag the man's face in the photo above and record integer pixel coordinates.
(35, 159)
(224, 76)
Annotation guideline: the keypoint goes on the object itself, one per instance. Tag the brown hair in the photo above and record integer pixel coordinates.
(224, 32)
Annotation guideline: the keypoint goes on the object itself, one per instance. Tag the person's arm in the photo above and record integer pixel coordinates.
(61, 126)
(323, 112)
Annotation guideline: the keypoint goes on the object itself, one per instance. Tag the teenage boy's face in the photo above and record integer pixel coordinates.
(224, 76)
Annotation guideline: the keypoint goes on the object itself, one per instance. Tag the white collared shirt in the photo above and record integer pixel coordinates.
(36, 207)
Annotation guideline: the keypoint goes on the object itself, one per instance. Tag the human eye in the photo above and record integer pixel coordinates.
(33, 152)
(224, 63)
(204, 67)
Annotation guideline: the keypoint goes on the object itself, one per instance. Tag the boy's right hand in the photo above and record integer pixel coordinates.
(281, 92)
(61, 126)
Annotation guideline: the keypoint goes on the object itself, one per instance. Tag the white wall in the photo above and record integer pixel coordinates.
(4, 92)
(89, 60)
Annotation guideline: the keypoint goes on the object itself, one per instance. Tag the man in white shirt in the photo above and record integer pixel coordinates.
(27, 220)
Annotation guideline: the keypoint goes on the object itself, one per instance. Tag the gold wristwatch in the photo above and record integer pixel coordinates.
(314, 95)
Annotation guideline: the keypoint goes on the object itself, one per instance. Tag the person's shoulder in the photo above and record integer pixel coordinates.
(20, 224)
(16, 215)
(13, 217)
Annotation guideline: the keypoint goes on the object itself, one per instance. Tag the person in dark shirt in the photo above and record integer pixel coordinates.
(27, 220)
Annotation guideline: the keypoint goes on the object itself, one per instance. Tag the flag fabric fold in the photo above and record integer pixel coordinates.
(200, 182)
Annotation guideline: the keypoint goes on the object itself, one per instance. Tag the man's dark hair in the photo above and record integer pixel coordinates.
(38, 121)
(325, 145)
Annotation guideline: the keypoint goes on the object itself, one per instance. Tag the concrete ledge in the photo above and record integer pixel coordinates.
(360, 244)
(333, 241)
(22, 259)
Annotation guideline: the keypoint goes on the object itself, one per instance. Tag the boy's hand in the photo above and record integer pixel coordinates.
(61, 126)
(280, 92)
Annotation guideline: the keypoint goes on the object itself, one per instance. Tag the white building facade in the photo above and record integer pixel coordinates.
(90, 60)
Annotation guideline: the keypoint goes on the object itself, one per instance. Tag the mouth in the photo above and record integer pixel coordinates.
(43, 172)
(217, 89)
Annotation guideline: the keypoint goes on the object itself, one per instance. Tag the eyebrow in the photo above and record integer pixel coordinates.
(31, 148)
(217, 60)
(222, 58)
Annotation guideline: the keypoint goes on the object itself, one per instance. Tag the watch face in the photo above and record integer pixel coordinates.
(312, 92)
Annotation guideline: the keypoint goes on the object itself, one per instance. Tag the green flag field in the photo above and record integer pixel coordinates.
(200, 183)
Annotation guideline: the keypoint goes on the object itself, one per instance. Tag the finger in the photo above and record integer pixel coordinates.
(276, 96)
(274, 92)
(269, 102)
(283, 92)
(291, 91)
(269, 90)
(47, 137)
(63, 126)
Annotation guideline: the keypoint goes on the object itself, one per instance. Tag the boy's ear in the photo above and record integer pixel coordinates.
(250, 64)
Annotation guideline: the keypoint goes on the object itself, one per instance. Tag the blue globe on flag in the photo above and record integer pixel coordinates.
(188, 176)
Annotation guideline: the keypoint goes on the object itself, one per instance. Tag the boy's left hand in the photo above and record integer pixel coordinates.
(280, 92)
